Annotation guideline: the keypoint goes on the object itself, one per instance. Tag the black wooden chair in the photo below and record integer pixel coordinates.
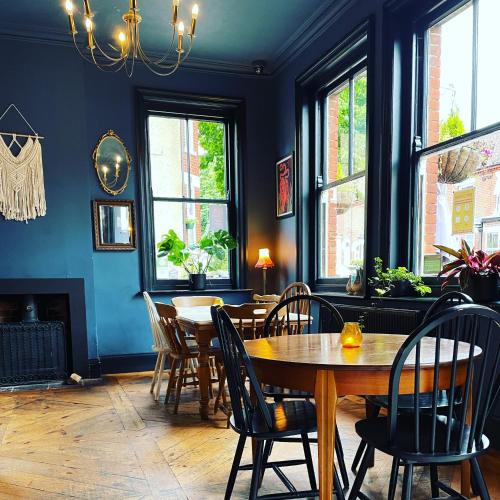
(405, 403)
(317, 315)
(264, 422)
(431, 436)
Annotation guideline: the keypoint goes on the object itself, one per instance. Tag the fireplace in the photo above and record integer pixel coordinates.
(43, 337)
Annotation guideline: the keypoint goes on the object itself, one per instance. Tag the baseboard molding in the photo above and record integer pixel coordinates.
(125, 363)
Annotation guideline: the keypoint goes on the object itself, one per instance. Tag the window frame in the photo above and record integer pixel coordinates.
(423, 22)
(355, 48)
(189, 106)
(322, 175)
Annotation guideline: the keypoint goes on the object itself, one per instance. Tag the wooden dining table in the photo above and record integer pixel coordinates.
(197, 322)
(318, 364)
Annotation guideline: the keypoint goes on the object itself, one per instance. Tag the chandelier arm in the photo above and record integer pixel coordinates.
(146, 60)
(164, 57)
(168, 73)
(105, 55)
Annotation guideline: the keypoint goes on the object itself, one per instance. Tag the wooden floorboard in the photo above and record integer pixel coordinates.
(115, 441)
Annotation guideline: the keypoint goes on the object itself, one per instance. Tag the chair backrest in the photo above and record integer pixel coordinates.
(173, 334)
(249, 318)
(317, 315)
(293, 289)
(461, 371)
(238, 366)
(159, 340)
(196, 300)
(446, 300)
(272, 297)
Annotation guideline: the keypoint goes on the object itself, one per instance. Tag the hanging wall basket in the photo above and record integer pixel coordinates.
(458, 164)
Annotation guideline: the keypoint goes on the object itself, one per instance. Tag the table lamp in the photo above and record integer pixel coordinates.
(264, 263)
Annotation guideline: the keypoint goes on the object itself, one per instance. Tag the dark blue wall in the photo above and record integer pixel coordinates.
(284, 88)
(72, 103)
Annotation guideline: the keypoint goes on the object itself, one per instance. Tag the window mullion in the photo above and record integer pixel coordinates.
(475, 48)
(188, 157)
(351, 126)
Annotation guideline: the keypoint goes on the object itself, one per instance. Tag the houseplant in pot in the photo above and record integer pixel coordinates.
(396, 282)
(477, 272)
(206, 255)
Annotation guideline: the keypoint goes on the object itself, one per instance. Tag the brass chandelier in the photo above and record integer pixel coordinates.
(128, 48)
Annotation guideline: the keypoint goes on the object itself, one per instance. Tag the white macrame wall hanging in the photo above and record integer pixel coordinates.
(22, 192)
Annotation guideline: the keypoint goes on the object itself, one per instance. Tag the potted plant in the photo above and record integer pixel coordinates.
(190, 223)
(398, 282)
(206, 255)
(477, 271)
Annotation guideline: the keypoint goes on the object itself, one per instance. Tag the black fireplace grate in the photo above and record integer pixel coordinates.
(32, 352)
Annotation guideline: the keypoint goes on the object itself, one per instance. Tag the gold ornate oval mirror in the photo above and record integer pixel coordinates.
(112, 163)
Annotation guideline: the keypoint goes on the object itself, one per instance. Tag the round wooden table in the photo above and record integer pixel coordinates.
(317, 363)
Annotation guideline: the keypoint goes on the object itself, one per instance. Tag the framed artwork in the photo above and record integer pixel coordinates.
(285, 187)
(114, 225)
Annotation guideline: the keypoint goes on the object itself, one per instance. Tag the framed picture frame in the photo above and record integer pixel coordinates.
(285, 187)
(114, 225)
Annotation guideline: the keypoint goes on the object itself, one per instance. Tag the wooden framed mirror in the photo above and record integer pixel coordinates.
(112, 163)
(114, 225)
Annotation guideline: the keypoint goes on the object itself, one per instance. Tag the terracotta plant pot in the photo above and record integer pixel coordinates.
(481, 288)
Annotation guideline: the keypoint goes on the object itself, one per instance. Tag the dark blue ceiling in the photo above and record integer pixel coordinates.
(234, 32)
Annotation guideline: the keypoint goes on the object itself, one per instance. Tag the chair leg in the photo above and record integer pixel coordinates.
(220, 390)
(163, 355)
(171, 379)
(337, 486)
(434, 480)
(309, 462)
(339, 452)
(180, 381)
(479, 479)
(267, 453)
(256, 472)
(394, 479)
(407, 482)
(359, 455)
(155, 374)
(234, 467)
(371, 411)
(360, 476)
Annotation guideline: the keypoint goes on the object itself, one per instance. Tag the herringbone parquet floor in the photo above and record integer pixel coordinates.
(114, 441)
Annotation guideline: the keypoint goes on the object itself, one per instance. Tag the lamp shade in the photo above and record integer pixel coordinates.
(264, 259)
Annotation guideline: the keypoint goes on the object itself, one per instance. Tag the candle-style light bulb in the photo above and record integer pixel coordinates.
(180, 31)
(122, 38)
(105, 170)
(89, 26)
(194, 15)
(175, 11)
(71, 20)
(118, 158)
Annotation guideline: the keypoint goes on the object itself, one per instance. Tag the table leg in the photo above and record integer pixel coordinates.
(203, 374)
(325, 395)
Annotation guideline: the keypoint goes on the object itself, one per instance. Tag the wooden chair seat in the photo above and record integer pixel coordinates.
(289, 418)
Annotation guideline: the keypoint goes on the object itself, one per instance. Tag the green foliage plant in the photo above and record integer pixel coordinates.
(385, 280)
(206, 255)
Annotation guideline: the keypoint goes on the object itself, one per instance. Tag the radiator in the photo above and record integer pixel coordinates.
(32, 352)
(382, 320)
